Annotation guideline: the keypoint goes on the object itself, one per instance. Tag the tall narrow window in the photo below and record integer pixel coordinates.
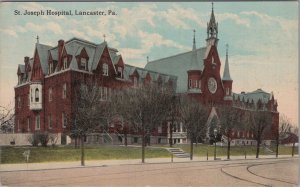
(50, 94)
(199, 84)
(83, 63)
(105, 69)
(65, 63)
(196, 84)
(37, 122)
(28, 124)
(190, 83)
(37, 99)
(227, 91)
(18, 123)
(64, 120)
(19, 102)
(49, 121)
(64, 91)
(19, 79)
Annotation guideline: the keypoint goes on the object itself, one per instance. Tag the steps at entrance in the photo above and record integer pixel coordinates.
(179, 153)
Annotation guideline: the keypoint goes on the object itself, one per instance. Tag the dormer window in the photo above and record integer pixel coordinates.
(20, 79)
(37, 99)
(227, 91)
(105, 69)
(83, 63)
(120, 72)
(65, 63)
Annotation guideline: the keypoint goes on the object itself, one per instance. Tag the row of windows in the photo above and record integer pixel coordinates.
(194, 83)
(64, 92)
(37, 122)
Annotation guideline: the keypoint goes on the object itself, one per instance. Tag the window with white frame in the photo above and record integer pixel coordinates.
(105, 69)
(190, 83)
(64, 91)
(196, 84)
(37, 122)
(50, 121)
(50, 94)
(227, 91)
(83, 63)
(199, 84)
(50, 68)
(65, 63)
(63, 120)
(105, 93)
(28, 124)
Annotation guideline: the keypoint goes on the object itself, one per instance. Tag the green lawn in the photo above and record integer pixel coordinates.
(13, 154)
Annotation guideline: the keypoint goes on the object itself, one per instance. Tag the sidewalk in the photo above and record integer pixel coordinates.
(105, 163)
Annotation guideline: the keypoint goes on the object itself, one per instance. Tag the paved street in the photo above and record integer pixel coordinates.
(253, 172)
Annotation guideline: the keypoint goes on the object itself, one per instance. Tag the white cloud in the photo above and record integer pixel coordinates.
(234, 17)
(9, 32)
(41, 28)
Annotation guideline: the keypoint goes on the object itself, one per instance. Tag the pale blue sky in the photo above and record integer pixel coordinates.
(262, 38)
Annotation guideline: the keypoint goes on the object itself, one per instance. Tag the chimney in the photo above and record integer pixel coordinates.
(60, 46)
(26, 60)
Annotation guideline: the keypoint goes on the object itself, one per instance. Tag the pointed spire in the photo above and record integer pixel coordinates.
(212, 29)
(194, 41)
(226, 74)
(37, 39)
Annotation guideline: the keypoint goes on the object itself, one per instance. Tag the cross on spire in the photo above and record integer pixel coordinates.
(212, 6)
(227, 46)
(104, 37)
(37, 39)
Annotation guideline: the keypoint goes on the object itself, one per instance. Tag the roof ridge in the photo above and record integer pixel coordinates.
(176, 55)
(151, 71)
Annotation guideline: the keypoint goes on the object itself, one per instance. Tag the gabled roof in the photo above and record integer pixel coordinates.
(178, 65)
(98, 53)
(43, 55)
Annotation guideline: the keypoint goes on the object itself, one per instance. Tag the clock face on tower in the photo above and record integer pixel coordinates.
(212, 85)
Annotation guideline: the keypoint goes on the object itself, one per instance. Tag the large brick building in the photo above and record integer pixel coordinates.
(46, 82)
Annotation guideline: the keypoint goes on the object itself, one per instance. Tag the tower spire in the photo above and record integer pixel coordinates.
(212, 29)
(37, 39)
(226, 74)
(194, 41)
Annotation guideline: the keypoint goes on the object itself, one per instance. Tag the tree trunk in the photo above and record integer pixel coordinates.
(125, 139)
(191, 149)
(293, 149)
(277, 148)
(143, 147)
(228, 149)
(171, 134)
(257, 147)
(82, 150)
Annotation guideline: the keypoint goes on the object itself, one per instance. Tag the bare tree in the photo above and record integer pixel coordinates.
(89, 111)
(194, 117)
(257, 122)
(284, 128)
(144, 107)
(230, 120)
(7, 118)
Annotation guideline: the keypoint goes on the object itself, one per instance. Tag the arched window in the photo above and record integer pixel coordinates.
(37, 95)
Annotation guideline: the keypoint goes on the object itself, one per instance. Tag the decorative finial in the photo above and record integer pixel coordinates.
(104, 37)
(37, 39)
(147, 59)
(227, 46)
(212, 6)
(194, 40)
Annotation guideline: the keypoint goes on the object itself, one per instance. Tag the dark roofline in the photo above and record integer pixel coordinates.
(176, 55)
(173, 76)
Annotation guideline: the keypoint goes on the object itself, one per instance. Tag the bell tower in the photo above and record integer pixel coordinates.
(212, 30)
